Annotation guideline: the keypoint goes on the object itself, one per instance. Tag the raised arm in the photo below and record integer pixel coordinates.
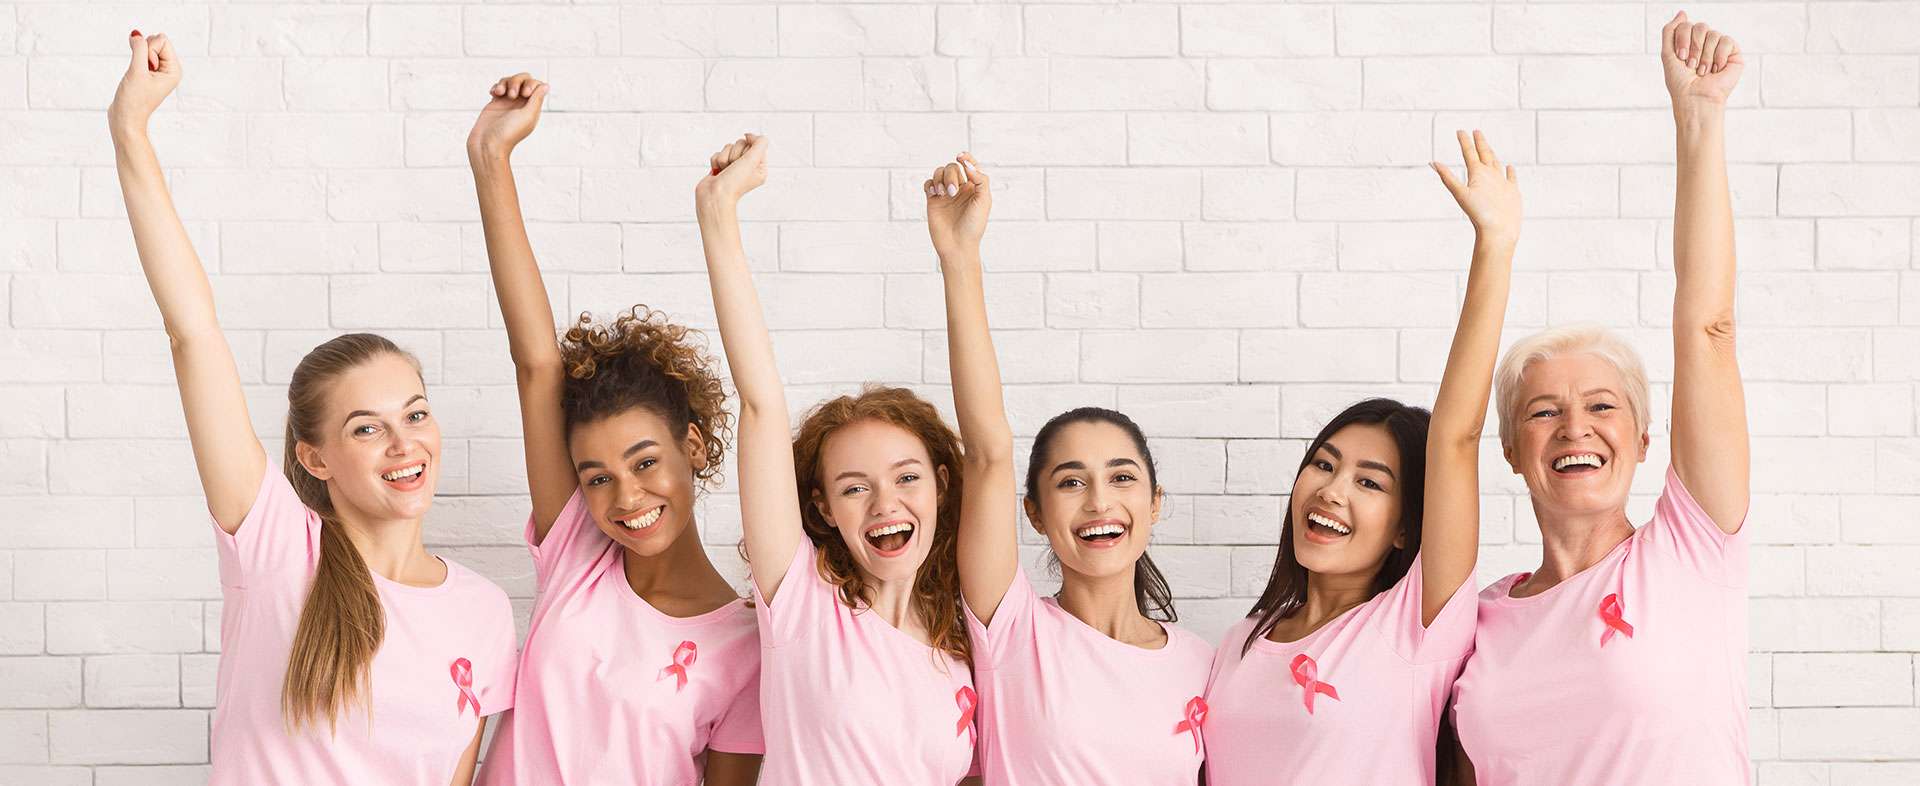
(959, 196)
(508, 118)
(769, 509)
(225, 449)
(1709, 404)
(1450, 530)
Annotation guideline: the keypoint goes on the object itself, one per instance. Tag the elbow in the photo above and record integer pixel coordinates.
(1715, 331)
(988, 454)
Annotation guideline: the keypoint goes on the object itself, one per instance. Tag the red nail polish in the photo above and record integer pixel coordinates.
(134, 34)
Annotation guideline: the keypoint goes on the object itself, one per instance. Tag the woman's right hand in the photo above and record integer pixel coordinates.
(733, 171)
(152, 74)
(509, 117)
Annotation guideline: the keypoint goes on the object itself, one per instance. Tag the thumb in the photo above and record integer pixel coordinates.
(138, 43)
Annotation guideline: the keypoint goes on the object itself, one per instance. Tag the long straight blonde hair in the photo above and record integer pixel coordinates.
(342, 623)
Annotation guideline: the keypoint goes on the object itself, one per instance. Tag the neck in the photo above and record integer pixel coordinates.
(1106, 604)
(391, 548)
(893, 601)
(680, 570)
(1330, 595)
(1573, 542)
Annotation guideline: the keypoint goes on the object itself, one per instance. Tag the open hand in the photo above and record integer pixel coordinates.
(152, 74)
(959, 197)
(1701, 64)
(509, 117)
(1491, 195)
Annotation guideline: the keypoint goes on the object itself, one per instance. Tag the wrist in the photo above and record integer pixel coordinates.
(960, 258)
(1496, 237)
(126, 128)
(1696, 112)
(483, 154)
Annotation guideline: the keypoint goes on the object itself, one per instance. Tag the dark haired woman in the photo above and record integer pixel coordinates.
(642, 664)
(1341, 671)
(349, 653)
(1093, 685)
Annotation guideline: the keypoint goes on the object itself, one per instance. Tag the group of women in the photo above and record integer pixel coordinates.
(892, 635)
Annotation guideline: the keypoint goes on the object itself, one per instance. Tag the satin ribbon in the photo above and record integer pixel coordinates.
(1306, 674)
(1196, 714)
(683, 658)
(967, 700)
(462, 671)
(1611, 614)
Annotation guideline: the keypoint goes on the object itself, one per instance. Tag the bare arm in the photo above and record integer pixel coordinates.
(769, 513)
(1450, 528)
(225, 449)
(1710, 452)
(959, 198)
(731, 769)
(507, 119)
(463, 774)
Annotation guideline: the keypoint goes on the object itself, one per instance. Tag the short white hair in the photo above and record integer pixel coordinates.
(1570, 340)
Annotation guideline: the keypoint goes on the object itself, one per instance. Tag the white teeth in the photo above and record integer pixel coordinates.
(644, 521)
(402, 474)
(1329, 523)
(890, 529)
(1101, 529)
(1588, 459)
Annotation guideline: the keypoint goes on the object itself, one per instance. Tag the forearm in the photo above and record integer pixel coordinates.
(977, 393)
(1459, 412)
(173, 271)
(524, 303)
(1703, 250)
(743, 328)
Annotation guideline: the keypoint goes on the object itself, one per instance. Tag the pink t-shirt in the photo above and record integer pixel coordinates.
(447, 660)
(1376, 681)
(611, 690)
(1558, 690)
(847, 698)
(1062, 703)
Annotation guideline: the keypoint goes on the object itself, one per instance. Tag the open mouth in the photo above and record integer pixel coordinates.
(406, 477)
(643, 520)
(1100, 534)
(1578, 463)
(1326, 528)
(890, 539)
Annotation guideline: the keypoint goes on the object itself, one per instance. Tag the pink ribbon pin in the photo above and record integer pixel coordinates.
(684, 656)
(967, 700)
(462, 671)
(1306, 674)
(1196, 714)
(1611, 613)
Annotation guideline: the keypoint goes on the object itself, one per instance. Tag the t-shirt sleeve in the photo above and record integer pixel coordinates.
(1451, 634)
(1012, 621)
(572, 543)
(802, 594)
(738, 729)
(501, 645)
(278, 541)
(1682, 531)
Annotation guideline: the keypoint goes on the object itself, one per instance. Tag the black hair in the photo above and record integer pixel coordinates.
(1150, 590)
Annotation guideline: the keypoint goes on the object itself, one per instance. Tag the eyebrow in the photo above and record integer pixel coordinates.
(1122, 461)
(358, 412)
(1583, 394)
(1364, 463)
(631, 449)
(857, 474)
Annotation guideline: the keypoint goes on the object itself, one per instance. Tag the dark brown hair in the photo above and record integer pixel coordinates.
(1150, 591)
(642, 360)
(936, 589)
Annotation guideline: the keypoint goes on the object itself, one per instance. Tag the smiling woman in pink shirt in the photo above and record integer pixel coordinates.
(348, 652)
(849, 532)
(642, 665)
(1622, 658)
(1340, 674)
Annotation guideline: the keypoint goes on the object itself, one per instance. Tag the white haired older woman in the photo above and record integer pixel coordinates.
(1621, 659)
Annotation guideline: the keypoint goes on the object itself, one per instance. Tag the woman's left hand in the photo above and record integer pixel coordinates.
(1491, 195)
(959, 197)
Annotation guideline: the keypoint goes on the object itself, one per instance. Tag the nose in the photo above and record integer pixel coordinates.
(883, 502)
(1329, 493)
(1577, 424)
(1096, 499)
(398, 443)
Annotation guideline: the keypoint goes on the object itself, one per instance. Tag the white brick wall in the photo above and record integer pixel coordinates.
(1212, 215)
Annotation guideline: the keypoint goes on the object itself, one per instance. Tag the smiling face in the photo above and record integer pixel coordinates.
(1346, 502)
(879, 488)
(637, 477)
(377, 445)
(1576, 441)
(1094, 499)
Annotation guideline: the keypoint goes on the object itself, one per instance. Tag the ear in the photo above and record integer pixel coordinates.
(940, 472)
(1400, 539)
(820, 506)
(1644, 441)
(310, 458)
(1506, 451)
(1159, 498)
(695, 447)
(1032, 507)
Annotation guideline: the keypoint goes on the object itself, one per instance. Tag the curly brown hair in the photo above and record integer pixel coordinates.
(642, 359)
(936, 590)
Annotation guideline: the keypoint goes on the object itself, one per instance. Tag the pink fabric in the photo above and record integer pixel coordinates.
(422, 715)
(611, 690)
(1555, 694)
(1356, 702)
(846, 698)
(1062, 703)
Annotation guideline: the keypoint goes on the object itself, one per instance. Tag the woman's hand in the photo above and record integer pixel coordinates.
(151, 76)
(733, 171)
(1702, 66)
(507, 119)
(959, 196)
(1491, 195)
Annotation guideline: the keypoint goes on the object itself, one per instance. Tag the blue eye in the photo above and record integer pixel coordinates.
(908, 478)
(365, 430)
(416, 416)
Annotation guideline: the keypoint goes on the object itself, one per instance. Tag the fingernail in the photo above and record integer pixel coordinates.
(134, 34)
(953, 190)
